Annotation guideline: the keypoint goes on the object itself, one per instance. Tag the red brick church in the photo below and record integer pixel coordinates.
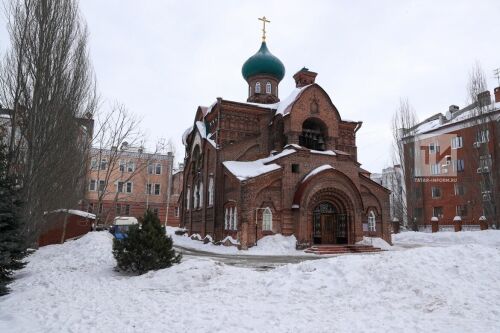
(271, 165)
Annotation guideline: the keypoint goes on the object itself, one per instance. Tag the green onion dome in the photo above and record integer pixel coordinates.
(263, 62)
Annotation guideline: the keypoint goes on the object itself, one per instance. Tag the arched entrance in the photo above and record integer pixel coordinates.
(329, 224)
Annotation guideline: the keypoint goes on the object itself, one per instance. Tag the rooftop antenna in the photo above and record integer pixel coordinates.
(496, 73)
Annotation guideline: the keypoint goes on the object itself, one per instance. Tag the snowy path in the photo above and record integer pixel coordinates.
(73, 288)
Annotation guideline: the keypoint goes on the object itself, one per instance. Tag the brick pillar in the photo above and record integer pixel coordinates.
(435, 226)
(458, 226)
(483, 224)
(244, 236)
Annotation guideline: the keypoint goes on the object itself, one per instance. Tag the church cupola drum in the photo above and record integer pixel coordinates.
(263, 71)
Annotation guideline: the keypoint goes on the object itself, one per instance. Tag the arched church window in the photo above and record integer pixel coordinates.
(188, 198)
(226, 219)
(257, 88)
(268, 88)
(372, 223)
(313, 134)
(200, 195)
(267, 219)
(195, 197)
(235, 219)
(210, 191)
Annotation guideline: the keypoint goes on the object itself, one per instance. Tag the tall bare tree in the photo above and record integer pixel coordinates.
(403, 125)
(47, 81)
(116, 131)
(480, 103)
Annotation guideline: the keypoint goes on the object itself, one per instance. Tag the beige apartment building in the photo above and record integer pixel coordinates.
(126, 181)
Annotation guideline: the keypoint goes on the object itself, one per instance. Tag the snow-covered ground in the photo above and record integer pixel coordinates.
(454, 287)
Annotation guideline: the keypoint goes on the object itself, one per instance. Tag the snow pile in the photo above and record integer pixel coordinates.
(274, 245)
(72, 288)
(251, 169)
(485, 237)
(376, 242)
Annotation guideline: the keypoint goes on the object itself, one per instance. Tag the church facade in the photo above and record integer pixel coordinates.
(268, 166)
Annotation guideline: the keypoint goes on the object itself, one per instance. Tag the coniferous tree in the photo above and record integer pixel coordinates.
(145, 248)
(12, 241)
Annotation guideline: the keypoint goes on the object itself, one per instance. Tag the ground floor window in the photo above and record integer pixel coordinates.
(372, 225)
(231, 218)
(267, 219)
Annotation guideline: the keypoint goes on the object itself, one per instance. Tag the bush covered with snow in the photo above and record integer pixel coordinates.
(146, 248)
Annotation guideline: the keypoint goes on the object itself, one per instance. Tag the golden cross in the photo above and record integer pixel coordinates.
(264, 21)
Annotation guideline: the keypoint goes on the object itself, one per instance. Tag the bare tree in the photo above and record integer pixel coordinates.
(117, 131)
(480, 103)
(404, 121)
(47, 81)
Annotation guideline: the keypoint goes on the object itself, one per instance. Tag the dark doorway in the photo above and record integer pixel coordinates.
(329, 225)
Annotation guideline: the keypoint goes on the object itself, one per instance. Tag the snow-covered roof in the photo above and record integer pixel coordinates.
(439, 120)
(285, 105)
(186, 134)
(250, 169)
(74, 212)
(316, 171)
(323, 152)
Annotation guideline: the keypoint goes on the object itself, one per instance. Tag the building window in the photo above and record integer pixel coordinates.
(129, 187)
(157, 189)
(122, 165)
(235, 219)
(92, 185)
(268, 88)
(461, 210)
(130, 166)
(195, 197)
(150, 168)
(458, 165)
(433, 148)
(231, 218)
(457, 142)
(176, 211)
(104, 164)
(210, 191)
(483, 136)
(200, 195)
(372, 223)
(158, 168)
(485, 162)
(267, 219)
(127, 210)
(436, 192)
(149, 188)
(93, 164)
(459, 189)
(118, 209)
(437, 212)
(435, 169)
(226, 219)
(188, 198)
(102, 185)
(257, 88)
(120, 187)
(295, 168)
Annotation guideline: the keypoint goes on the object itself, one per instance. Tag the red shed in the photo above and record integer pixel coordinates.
(63, 224)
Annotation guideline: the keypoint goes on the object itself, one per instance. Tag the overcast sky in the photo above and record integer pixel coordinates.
(164, 58)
